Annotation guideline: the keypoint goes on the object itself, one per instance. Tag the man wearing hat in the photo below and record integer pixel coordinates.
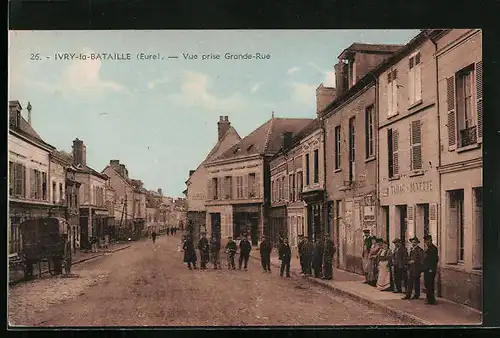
(329, 251)
(398, 263)
(299, 253)
(415, 267)
(265, 254)
(367, 243)
(204, 248)
(430, 266)
(307, 252)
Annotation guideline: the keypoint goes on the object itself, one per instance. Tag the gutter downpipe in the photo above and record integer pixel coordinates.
(377, 194)
(438, 234)
(325, 195)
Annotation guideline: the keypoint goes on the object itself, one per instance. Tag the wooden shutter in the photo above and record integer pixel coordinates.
(395, 91)
(389, 94)
(433, 221)
(410, 217)
(209, 195)
(416, 145)
(257, 184)
(411, 81)
(220, 182)
(286, 185)
(245, 186)
(479, 99)
(452, 233)
(23, 180)
(477, 252)
(395, 153)
(32, 184)
(418, 78)
(452, 117)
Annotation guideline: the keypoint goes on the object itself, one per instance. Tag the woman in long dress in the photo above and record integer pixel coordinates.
(372, 267)
(384, 275)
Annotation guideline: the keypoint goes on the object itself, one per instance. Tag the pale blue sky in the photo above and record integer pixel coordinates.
(160, 117)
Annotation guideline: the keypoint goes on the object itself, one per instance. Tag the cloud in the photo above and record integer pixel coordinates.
(152, 84)
(255, 87)
(194, 92)
(329, 76)
(303, 93)
(293, 70)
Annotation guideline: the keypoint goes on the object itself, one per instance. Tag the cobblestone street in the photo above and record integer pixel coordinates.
(148, 285)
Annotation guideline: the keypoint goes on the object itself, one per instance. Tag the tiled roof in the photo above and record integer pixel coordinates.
(214, 149)
(26, 129)
(267, 139)
(368, 47)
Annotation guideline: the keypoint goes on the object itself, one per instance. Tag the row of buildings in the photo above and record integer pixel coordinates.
(394, 148)
(44, 181)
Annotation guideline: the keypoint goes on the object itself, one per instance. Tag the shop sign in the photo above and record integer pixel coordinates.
(414, 187)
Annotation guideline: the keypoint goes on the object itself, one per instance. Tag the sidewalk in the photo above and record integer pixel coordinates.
(17, 275)
(416, 311)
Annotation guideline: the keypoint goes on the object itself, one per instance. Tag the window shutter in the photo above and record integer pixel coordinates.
(395, 95)
(479, 98)
(477, 252)
(452, 234)
(410, 221)
(411, 63)
(417, 59)
(411, 83)
(452, 118)
(389, 99)
(220, 182)
(433, 220)
(23, 181)
(395, 154)
(418, 81)
(32, 184)
(245, 186)
(285, 193)
(209, 196)
(416, 145)
(257, 184)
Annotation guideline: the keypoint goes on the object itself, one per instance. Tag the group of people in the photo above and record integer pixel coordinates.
(316, 257)
(171, 230)
(389, 270)
(210, 252)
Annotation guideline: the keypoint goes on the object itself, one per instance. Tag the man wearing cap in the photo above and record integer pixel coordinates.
(307, 251)
(231, 251)
(299, 253)
(415, 267)
(317, 258)
(204, 248)
(431, 259)
(329, 251)
(367, 244)
(265, 254)
(245, 248)
(398, 263)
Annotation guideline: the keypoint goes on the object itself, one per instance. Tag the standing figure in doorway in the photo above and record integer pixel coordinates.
(415, 267)
(189, 253)
(245, 248)
(367, 244)
(431, 259)
(285, 255)
(317, 258)
(215, 252)
(399, 262)
(329, 251)
(204, 251)
(265, 254)
(307, 252)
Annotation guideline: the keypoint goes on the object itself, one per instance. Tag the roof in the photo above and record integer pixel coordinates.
(370, 48)
(25, 128)
(266, 139)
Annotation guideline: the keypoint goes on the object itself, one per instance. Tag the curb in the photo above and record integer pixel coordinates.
(399, 314)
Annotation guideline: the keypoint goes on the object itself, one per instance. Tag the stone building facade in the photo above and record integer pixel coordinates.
(459, 78)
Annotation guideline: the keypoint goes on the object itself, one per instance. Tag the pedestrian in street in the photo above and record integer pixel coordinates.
(328, 253)
(317, 259)
(265, 254)
(94, 243)
(215, 252)
(172, 231)
(399, 262)
(153, 236)
(372, 266)
(175, 231)
(415, 268)
(384, 274)
(285, 256)
(431, 259)
(168, 231)
(189, 253)
(307, 252)
(245, 249)
(231, 252)
(204, 248)
(367, 244)
(299, 253)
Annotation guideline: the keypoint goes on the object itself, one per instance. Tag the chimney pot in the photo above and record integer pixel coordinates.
(223, 126)
(221, 118)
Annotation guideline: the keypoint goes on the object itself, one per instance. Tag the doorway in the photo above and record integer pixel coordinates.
(84, 231)
(385, 211)
(215, 220)
(337, 232)
(403, 227)
(310, 220)
(422, 228)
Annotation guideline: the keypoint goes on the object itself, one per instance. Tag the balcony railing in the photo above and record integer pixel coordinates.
(468, 136)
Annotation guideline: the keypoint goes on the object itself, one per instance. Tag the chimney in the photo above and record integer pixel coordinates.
(29, 107)
(286, 139)
(191, 172)
(114, 163)
(324, 96)
(79, 152)
(223, 126)
(341, 72)
(123, 170)
(160, 191)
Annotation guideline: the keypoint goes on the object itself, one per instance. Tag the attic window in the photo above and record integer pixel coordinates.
(250, 147)
(236, 150)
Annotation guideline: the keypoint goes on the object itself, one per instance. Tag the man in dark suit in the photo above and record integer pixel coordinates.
(415, 267)
(307, 253)
(245, 248)
(285, 255)
(317, 260)
(265, 254)
(398, 264)
(299, 251)
(431, 259)
(329, 251)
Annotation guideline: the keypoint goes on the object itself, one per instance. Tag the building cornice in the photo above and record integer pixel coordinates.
(46, 147)
(233, 160)
(461, 166)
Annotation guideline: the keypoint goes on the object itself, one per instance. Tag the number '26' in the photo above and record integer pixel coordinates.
(35, 57)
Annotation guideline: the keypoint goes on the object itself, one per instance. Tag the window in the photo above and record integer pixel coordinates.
(477, 252)
(299, 184)
(415, 145)
(458, 201)
(307, 170)
(337, 147)
(392, 153)
(466, 114)
(215, 188)
(15, 237)
(415, 79)
(369, 140)
(228, 183)
(290, 188)
(316, 165)
(283, 187)
(61, 193)
(251, 184)
(352, 148)
(19, 180)
(292, 184)
(239, 187)
(392, 92)
(54, 191)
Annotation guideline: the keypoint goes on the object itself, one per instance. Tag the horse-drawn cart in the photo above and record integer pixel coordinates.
(46, 240)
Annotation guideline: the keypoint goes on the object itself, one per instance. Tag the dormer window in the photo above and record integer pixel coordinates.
(250, 147)
(236, 150)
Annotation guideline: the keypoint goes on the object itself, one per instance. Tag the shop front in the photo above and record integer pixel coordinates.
(278, 224)
(247, 219)
(316, 226)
